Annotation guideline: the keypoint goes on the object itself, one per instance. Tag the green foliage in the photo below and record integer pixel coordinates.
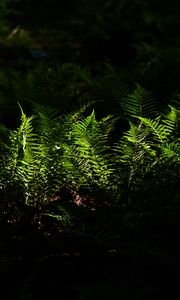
(149, 151)
(90, 150)
(66, 86)
(50, 150)
(47, 151)
(140, 103)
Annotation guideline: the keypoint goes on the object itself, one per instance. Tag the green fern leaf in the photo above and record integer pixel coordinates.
(160, 131)
(140, 103)
(171, 151)
(172, 121)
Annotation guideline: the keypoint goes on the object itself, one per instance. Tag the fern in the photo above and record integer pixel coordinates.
(48, 151)
(147, 149)
(90, 149)
(172, 121)
(140, 103)
(160, 131)
(171, 152)
(54, 138)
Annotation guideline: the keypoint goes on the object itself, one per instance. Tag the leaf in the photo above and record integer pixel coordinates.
(140, 103)
(160, 131)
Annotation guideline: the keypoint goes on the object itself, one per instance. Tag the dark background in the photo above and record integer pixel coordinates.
(140, 40)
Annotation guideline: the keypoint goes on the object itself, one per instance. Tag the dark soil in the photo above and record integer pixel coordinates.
(42, 264)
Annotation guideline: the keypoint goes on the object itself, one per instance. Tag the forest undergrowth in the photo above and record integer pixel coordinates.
(89, 149)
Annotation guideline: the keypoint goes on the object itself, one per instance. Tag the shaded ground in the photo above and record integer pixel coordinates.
(38, 264)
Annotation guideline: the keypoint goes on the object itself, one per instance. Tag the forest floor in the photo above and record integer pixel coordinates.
(51, 264)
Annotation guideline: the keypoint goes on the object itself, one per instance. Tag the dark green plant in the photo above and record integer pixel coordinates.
(47, 152)
(149, 152)
(66, 86)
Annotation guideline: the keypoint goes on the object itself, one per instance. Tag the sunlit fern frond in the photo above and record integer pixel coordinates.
(140, 103)
(25, 133)
(27, 140)
(87, 134)
(132, 133)
(160, 131)
(172, 121)
(19, 141)
(90, 149)
(171, 151)
(134, 143)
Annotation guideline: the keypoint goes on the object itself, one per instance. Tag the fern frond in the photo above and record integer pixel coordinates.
(171, 120)
(90, 149)
(140, 103)
(131, 134)
(160, 131)
(171, 151)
